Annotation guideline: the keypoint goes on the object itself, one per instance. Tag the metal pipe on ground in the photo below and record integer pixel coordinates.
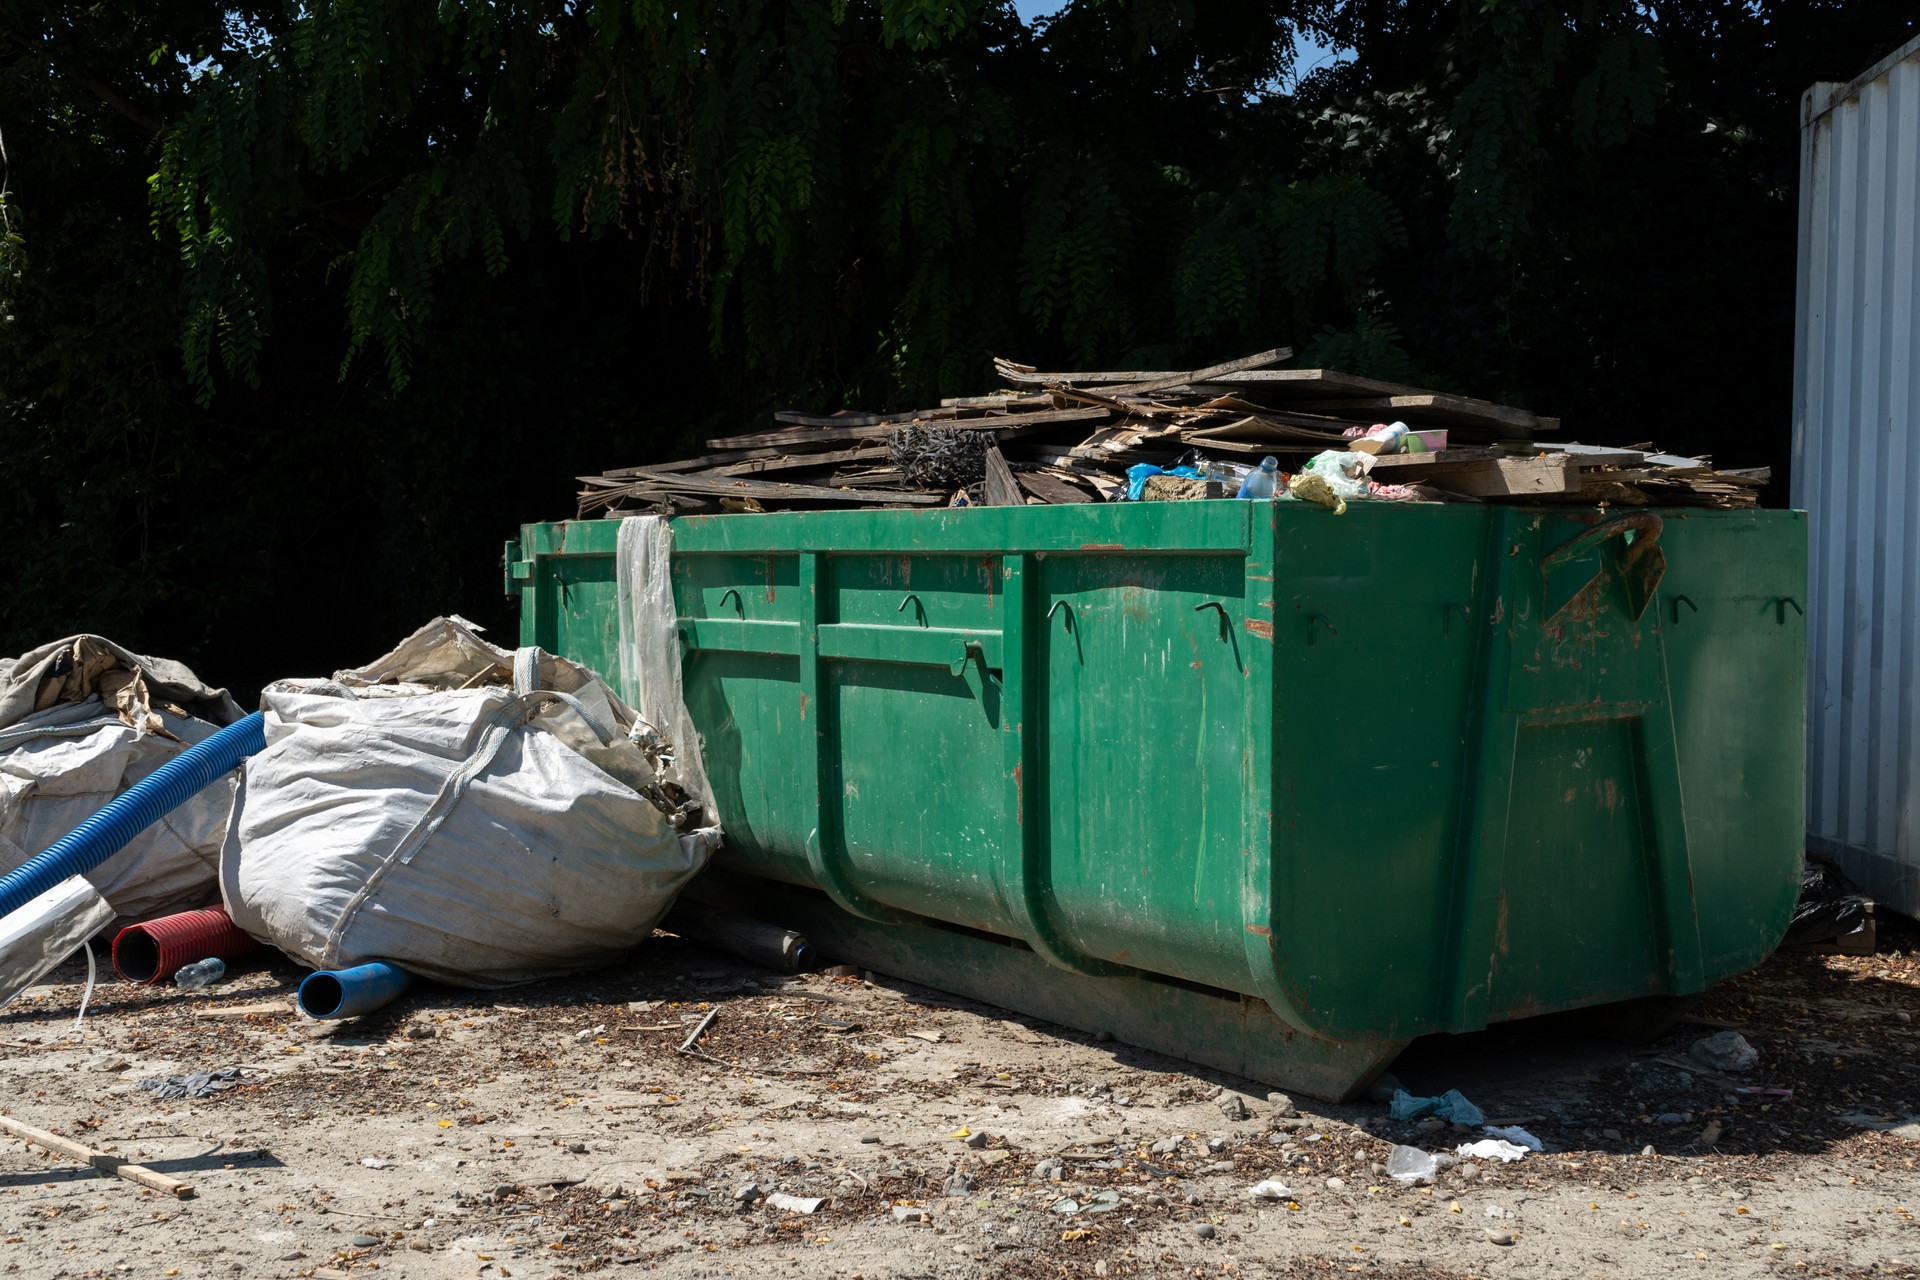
(149, 951)
(133, 811)
(770, 945)
(348, 993)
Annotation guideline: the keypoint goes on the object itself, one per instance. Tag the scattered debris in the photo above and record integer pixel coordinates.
(795, 1204)
(1270, 1189)
(1053, 438)
(1411, 1164)
(196, 1084)
(1451, 1106)
(1491, 1149)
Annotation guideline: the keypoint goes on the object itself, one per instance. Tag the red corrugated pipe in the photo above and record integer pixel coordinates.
(156, 949)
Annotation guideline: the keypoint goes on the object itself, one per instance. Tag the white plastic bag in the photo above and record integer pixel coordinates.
(481, 835)
(81, 720)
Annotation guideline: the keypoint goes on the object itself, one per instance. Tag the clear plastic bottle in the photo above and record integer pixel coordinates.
(1259, 484)
(201, 973)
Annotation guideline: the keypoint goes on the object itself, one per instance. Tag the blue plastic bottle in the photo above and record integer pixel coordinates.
(1259, 484)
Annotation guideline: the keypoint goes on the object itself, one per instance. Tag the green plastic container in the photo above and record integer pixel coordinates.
(1245, 782)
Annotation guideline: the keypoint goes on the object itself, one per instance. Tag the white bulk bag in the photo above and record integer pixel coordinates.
(83, 719)
(480, 836)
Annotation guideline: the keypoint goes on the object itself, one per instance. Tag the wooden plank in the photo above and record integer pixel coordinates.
(98, 1159)
(1267, 428)
(1435, 408)
(1135, 381)
(666, 482)
(1411, 468)
(791, 461)
(995, 402)
(1514, 477)
(1169, 381)
(859, 419)
(1002, 424)
(1000, 489)
(1051, 488)
(694, 464)
(1138, 383)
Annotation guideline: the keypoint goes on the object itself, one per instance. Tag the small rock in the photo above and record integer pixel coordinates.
(1336, 1184)
(1610, 1134)
(1104, 1037)
(1282, 1106)
(1217, 1145)
(1221, 1166)
(578, 1148)
(506, 1189)
(422, 1031)
(364, 1242)
(977, 1139)
(1049, 1170)
(375, 1162)
(869, 1137)
(1902, 1016)
(909, 1215)
(1711, 1134)
(1725, 1051)
(1648, 1150)
(420, 1244)
(1234, 1107)
(1377, 1169)
(1204, 1230)
(1165, 1147)
(1499, 1237)
(1673, 1117)
(295, 1256)
(112, 1065)
(1276, 1139)
(747, 1192)
(1158, 1201)
(959, 1184)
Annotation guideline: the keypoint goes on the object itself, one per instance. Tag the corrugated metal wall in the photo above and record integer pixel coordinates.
(1856, 453)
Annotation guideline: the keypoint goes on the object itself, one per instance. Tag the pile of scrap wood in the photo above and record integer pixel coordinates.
(1071, 437)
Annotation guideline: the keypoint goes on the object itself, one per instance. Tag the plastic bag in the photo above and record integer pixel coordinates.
(481, 835)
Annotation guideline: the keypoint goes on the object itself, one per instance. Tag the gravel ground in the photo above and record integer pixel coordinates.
(554, 1131)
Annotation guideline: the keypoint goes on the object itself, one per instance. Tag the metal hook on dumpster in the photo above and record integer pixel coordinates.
(1226, 622)
(1313, 623)
(919, 608)
(1058, 605)
(1677, 602)
(1780, 609)
(1446, 616)
(739, 605)
(969, 650)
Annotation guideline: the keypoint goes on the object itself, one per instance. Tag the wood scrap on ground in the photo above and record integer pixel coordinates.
(1070, 437)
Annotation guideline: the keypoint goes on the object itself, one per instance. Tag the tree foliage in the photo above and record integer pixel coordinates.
(308, 303)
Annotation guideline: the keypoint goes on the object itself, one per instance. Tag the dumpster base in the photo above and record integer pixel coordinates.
(1203, 1025)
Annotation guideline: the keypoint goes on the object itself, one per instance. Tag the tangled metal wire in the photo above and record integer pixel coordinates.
(940, 457)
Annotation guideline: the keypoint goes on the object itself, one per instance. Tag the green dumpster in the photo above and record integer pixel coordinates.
(1247, 783)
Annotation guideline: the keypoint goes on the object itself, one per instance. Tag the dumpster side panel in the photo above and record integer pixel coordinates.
(1146, 725)
(1736, 659)
(1379, 615)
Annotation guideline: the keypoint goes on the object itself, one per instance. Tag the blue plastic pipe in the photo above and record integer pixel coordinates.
(133, 811)
(348, 993)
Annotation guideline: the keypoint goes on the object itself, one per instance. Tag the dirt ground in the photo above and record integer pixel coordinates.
(554, 1131)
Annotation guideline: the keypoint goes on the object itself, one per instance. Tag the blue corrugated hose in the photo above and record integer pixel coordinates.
(139, 807)
(347, 993)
